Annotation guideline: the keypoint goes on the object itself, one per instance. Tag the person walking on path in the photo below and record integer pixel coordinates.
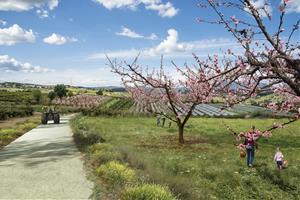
(278, 158)
(250, 144)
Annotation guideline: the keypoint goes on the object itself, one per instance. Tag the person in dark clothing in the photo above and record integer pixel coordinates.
(163, 120)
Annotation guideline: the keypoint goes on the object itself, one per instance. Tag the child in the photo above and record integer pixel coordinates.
(278, 158)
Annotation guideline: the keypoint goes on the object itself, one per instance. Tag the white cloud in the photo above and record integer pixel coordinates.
(15, 34)
(52, 4)
(42, 13)
(9, 64)
(58, 39)
(3, 22)
(24, 5)
(263, 6)
(152, 36)
(293, 6)
(110, 4)
(163, 9)
(171, 47)
(131, 34)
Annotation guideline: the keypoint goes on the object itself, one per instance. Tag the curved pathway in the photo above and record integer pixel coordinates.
(43, 164)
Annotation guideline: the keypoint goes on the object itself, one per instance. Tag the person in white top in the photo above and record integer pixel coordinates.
(278, 158)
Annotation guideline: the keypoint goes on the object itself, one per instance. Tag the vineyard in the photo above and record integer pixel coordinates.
(19, 103)
(114, 106)
(15, 104)
(108, 105)
(18, 97)
(9, 110)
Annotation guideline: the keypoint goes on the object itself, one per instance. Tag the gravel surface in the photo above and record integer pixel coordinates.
(43, 164)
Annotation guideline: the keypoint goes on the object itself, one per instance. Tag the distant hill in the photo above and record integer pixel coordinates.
(40, 86)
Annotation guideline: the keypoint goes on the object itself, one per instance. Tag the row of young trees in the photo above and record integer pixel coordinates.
(270, 61)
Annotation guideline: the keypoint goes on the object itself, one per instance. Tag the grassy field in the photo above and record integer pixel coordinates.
(208, 166)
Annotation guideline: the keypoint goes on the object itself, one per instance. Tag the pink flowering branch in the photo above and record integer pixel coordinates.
(179, 97)
(270, 61)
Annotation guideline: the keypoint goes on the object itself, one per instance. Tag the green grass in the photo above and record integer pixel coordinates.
(208, 165)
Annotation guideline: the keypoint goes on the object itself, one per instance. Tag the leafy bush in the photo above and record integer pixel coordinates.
(86, 138)
(27, 126)
(99, 92)
(102, 153)
(116, 173)
(147, 192)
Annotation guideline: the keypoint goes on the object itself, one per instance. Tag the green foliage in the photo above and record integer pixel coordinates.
(147, 192)
(51, 95)
(9, 110)
(116, 173)
(85, 138)
(99, 92)
(82, 136)
(102, 153)
(70, 93)
(60, 90)
(37, 94)
(17, 97)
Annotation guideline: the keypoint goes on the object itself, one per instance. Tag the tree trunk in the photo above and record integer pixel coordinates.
(180, 133)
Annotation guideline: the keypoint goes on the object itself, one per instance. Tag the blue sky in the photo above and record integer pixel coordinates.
(64, 41)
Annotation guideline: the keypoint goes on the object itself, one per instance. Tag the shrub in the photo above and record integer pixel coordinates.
(147, 192)
(27, 126)
(116, 173)
(86, 138)
(102, 153)
(5, 132)
(99, 92)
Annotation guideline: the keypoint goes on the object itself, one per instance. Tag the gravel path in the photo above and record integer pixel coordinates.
(43, 164)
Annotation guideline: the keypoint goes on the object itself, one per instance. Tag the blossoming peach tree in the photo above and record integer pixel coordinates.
(192, 86)
(269, 53)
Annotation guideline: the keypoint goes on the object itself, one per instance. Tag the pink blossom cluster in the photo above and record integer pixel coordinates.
(252, 135)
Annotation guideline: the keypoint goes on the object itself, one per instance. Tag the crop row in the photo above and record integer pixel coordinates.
(17, 96)
(114, 105)
(9, 111)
